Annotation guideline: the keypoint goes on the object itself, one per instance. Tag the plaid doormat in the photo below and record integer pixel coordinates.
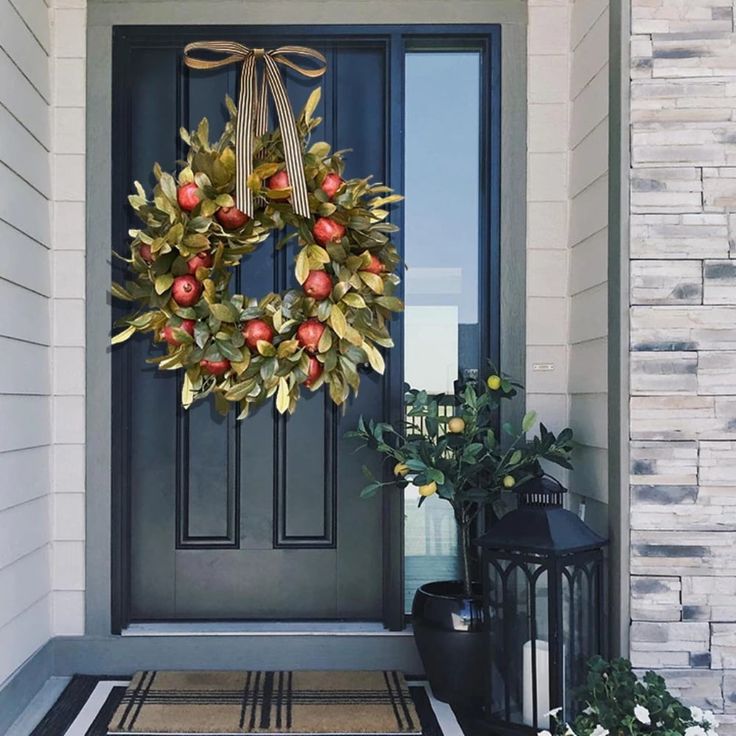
(219, 703)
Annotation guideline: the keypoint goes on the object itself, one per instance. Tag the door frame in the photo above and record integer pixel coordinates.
(106, 510)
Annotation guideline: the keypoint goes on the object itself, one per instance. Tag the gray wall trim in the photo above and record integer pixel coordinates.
(23, 685)
(313, 12)
(102, 16)
(618, 320)
(513, 206)
(98, 410)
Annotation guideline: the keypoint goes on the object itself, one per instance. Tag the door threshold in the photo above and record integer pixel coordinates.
(261, 628)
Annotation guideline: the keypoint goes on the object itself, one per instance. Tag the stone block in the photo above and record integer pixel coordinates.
(655, 598)
(717, 373)
(663, 463)
(719, 282)
(666, 282)
(717, 464)
(676, 328)
(679, 236)
(661, 190)
(664, 373)
(684, 553)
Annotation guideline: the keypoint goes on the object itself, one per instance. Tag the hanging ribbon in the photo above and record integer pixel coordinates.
(253, 110)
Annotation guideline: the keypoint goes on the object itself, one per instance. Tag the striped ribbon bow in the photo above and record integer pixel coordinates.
(253, 110)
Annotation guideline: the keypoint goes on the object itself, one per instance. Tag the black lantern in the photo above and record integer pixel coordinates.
(544, 600)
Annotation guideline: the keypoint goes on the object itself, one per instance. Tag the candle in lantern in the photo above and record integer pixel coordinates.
(542, 684)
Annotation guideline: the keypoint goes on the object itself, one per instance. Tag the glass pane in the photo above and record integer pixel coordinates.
(441, 229)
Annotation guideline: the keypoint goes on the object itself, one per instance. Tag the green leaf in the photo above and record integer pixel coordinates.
(338, 322)
(529, 419)
(354, 300)
(282, 396)
(123, 335)
(302, 266)
(223, 312)
(370, 490)
(120, 293)
(163, 283)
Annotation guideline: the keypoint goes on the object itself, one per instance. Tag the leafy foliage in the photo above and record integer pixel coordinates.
(356, 313)
(467, 460)
(617, 702)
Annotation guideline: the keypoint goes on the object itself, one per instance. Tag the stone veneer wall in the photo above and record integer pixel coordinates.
(683, 343)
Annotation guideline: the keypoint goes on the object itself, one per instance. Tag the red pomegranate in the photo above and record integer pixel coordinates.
(314, 371)
(146, 253)
(168, 332)
(215, 367)
(255, 330)
(203, 259)
(309, 333)
(187, 196)
(231, 218)
(280, 180)
(318, 285)
(186, 290)
(326, 230)
(375, 266)
(331, 184)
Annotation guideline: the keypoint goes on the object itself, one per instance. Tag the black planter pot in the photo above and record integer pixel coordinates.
(448, 629)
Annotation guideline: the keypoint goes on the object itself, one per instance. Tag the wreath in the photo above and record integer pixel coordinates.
(242, 349)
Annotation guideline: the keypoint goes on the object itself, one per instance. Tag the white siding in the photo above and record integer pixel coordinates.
(588, 241)
(25, 289)
(547, 215)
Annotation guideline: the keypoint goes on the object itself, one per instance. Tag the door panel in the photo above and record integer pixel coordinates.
(257, 519)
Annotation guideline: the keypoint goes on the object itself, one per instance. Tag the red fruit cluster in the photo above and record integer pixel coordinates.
(186, 290)
(309, 334)
(314, 371)
(203, 259)
(280, 180)
(331, 184)
(375, 266)
(146, 253)
(231, 218)
(187, 196)
(215, 367)
(187, 325)
(255, 330)
(318, 285)
(326, 230)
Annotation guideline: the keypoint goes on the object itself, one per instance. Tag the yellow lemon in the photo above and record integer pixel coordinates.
(508, 481)
(494, 382)
(401, 469)
(456, 425)
(428, 489)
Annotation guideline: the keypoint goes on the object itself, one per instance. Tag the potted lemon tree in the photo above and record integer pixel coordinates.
(456, 448)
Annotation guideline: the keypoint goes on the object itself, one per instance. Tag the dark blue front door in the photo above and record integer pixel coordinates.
(258, 519)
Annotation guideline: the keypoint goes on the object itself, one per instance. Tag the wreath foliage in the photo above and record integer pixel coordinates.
(193, 236)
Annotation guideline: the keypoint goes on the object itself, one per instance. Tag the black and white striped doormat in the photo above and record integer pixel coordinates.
(88, 703)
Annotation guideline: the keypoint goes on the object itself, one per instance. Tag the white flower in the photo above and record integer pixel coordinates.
(599, 731)
(710, 720)
(544, 733)
(554, 712)
(695, 731)
(589, 711)
(569, 731)
(696, 713)
(642, 715)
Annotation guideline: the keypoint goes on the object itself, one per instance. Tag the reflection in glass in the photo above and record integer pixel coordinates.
(441, 326)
